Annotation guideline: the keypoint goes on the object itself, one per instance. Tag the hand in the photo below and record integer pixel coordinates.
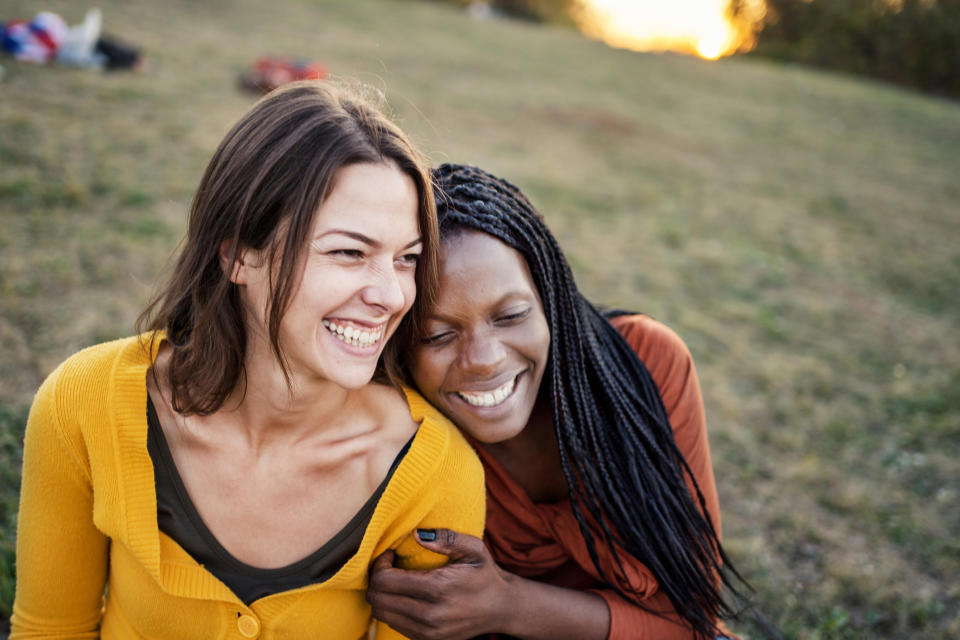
(466, 598)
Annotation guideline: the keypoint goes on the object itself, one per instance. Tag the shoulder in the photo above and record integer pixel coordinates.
(436, 429)
(406, 413)
(659, 347)
(388, 406)
(667, 358)
(74, 402)
(91, 372)
(452, 477)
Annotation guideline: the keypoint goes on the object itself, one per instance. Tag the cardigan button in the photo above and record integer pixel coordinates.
(248, 626)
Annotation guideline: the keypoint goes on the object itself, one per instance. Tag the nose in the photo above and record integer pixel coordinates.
(386, 291)
(483, 354)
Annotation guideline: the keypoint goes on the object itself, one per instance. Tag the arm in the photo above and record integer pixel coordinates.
(61, 556)
(471, 595)
(459, 502)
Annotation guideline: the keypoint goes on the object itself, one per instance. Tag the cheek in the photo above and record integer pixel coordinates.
(545, 345)
(409, 286)
(534, 342)
(428, 372)
(540, 343)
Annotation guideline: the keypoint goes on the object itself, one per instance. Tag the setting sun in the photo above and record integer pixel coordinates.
(689, 26)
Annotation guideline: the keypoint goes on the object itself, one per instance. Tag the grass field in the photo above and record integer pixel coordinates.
(800, 230)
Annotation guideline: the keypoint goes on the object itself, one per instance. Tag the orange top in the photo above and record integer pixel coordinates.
(542, 540)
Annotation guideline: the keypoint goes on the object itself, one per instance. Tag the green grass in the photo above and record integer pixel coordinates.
(799, 229)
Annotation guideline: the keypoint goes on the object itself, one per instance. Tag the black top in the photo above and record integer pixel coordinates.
(178, 518)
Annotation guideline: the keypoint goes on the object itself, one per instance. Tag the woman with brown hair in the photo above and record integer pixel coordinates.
(233, 471)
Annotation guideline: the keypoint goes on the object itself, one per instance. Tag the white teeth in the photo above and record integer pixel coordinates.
(489, 398)
(355, 337)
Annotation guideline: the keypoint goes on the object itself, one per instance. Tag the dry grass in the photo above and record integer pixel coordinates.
(799, 230)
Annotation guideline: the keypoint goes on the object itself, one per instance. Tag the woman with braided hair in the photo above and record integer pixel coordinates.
(602, 512)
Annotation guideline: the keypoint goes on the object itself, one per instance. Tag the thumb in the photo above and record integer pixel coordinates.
(459, 547)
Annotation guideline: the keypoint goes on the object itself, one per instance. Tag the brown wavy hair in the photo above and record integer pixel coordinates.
(261, 190)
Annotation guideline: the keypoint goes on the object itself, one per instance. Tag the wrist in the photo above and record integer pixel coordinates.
(534, 610)
(512, 605)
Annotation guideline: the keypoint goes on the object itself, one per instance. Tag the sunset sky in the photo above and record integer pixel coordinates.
(691, 26)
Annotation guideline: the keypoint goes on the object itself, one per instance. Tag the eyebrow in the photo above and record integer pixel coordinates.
(359, 237)
(520, 296)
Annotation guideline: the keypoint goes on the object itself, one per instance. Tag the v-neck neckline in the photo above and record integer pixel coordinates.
(138, 527)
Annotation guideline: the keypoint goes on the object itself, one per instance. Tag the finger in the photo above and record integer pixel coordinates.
(398, 622)
(459, 547)
(402, 627)
(421, 585)
(416, 619)
(383, 561)
(397, 604)
(406, 615)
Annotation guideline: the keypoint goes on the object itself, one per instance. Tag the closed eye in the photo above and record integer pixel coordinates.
(436, 339)
(346, 253)
(409, 259)
(510, 318)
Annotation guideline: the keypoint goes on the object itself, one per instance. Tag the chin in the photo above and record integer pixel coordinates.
(351, 381)
(491, 433)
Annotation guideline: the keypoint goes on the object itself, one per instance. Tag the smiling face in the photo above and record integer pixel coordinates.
(486, 339)
(357, 280)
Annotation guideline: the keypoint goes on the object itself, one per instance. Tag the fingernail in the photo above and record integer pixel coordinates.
(427, 535)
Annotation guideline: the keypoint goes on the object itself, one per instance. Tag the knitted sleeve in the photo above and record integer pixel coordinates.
(459, 504)
(383, 631)
(465, 517)
(61, 556)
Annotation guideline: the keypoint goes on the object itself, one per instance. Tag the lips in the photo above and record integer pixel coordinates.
(490, 398)
(357, 336)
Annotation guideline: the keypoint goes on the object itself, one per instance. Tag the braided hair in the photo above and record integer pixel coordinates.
(617, 450)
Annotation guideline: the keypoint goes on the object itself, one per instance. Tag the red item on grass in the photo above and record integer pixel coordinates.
(270, 72)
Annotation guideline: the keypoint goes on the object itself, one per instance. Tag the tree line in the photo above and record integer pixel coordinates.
(915, 43)
(911, 42)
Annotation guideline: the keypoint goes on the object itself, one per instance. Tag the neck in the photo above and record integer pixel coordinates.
(532, 458)
(267, 408)
(538, 432)
(270, 405)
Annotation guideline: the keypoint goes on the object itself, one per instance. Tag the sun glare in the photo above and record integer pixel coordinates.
(699, 27)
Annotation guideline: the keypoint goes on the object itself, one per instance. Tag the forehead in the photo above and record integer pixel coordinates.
(373, 197)
(477, 266)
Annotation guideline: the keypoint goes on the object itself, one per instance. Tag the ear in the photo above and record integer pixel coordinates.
(235, 266)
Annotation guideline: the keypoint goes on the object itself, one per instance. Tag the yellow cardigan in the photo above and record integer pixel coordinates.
(91, 562)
